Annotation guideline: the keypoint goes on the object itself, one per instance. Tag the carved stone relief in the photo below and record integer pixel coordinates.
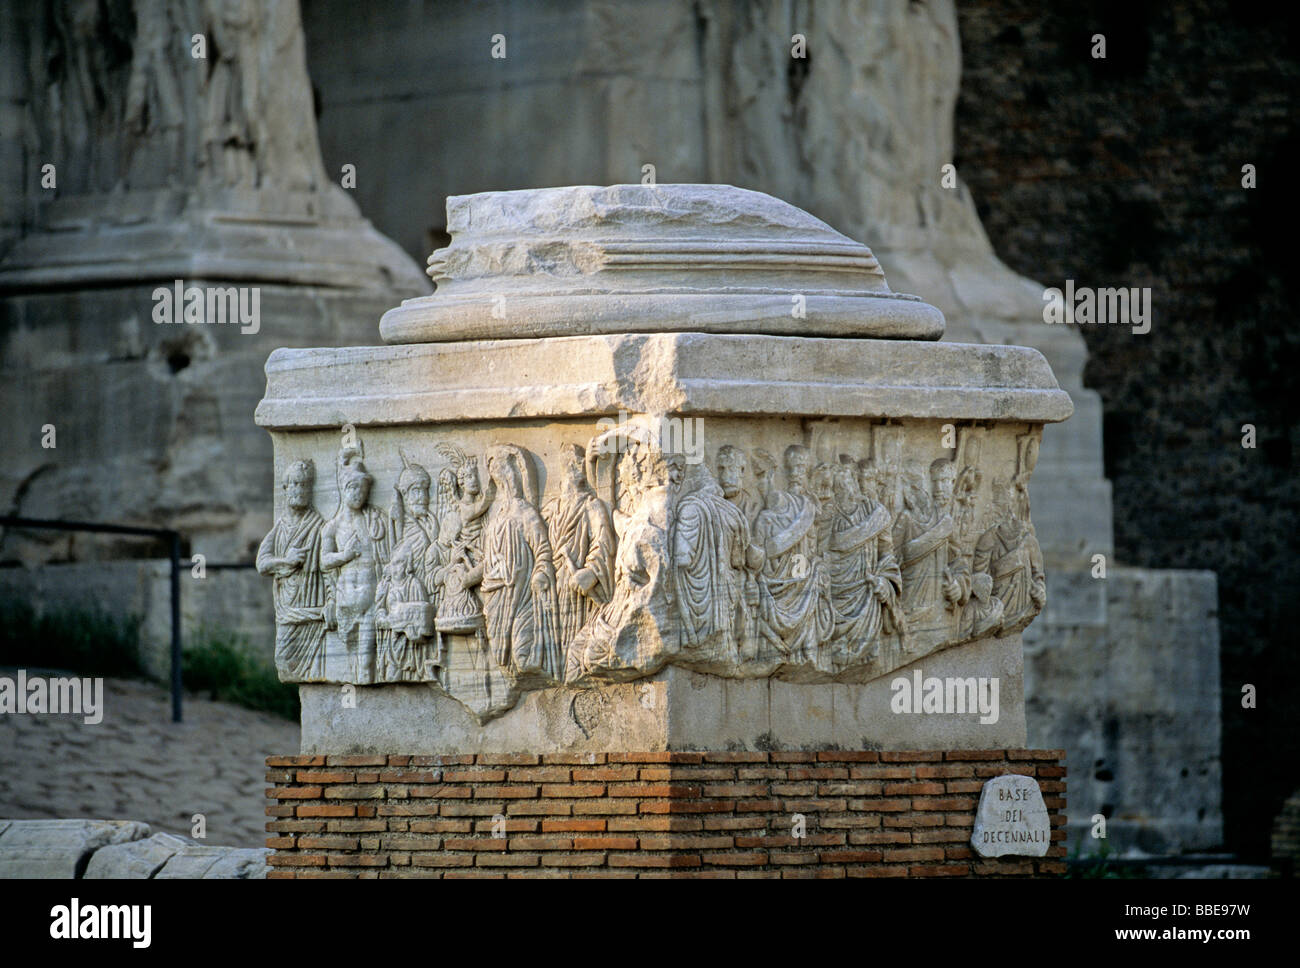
(844, 558)
(355, 546)
(291, 556)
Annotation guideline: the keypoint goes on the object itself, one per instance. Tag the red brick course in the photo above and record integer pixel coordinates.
(711, 814)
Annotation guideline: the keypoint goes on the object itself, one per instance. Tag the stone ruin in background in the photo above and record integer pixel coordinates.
(143, 173)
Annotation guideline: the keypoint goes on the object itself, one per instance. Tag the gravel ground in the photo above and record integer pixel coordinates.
(138, 765)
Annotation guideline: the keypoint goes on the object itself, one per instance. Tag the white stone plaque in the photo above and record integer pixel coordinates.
(1011, 819)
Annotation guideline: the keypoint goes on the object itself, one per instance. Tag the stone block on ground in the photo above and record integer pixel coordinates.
(136, 859)
(212, 863)
(60, 848)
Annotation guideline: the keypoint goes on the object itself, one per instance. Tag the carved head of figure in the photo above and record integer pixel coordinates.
(869, 483)
(356, 484)
(696, 479)
(653, 468)
(943, 475)
(299, 477)
(798, 459)
(400, 565)
(504, 472)
(413, 484)
(731, 470)
(675, 468)
(916, 495)
(573, 469)
(468, 477)
(845, 486)
(822, 482)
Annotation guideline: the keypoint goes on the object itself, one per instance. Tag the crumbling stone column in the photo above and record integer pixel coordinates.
(184, 224)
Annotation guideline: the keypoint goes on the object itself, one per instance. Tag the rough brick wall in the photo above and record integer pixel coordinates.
(1127, 172)
(721, 815)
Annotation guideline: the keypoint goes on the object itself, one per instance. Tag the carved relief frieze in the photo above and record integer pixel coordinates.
(838, 557)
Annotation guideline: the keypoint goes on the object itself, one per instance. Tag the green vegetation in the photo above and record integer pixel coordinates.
(84, 641)
(223, 666)
(1099, 865)
(91, 643)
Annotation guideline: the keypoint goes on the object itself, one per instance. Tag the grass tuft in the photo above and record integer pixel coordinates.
(85, 641)
(222, 665)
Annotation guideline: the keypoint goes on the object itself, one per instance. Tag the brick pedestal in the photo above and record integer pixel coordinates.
(710, 814)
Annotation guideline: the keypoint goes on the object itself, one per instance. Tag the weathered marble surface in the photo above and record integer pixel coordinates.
(601, 375)
(627, 258)
(839, 623)
(497, 516)
(675, 709)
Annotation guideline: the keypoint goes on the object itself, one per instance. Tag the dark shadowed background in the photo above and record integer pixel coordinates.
(1130, 169)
